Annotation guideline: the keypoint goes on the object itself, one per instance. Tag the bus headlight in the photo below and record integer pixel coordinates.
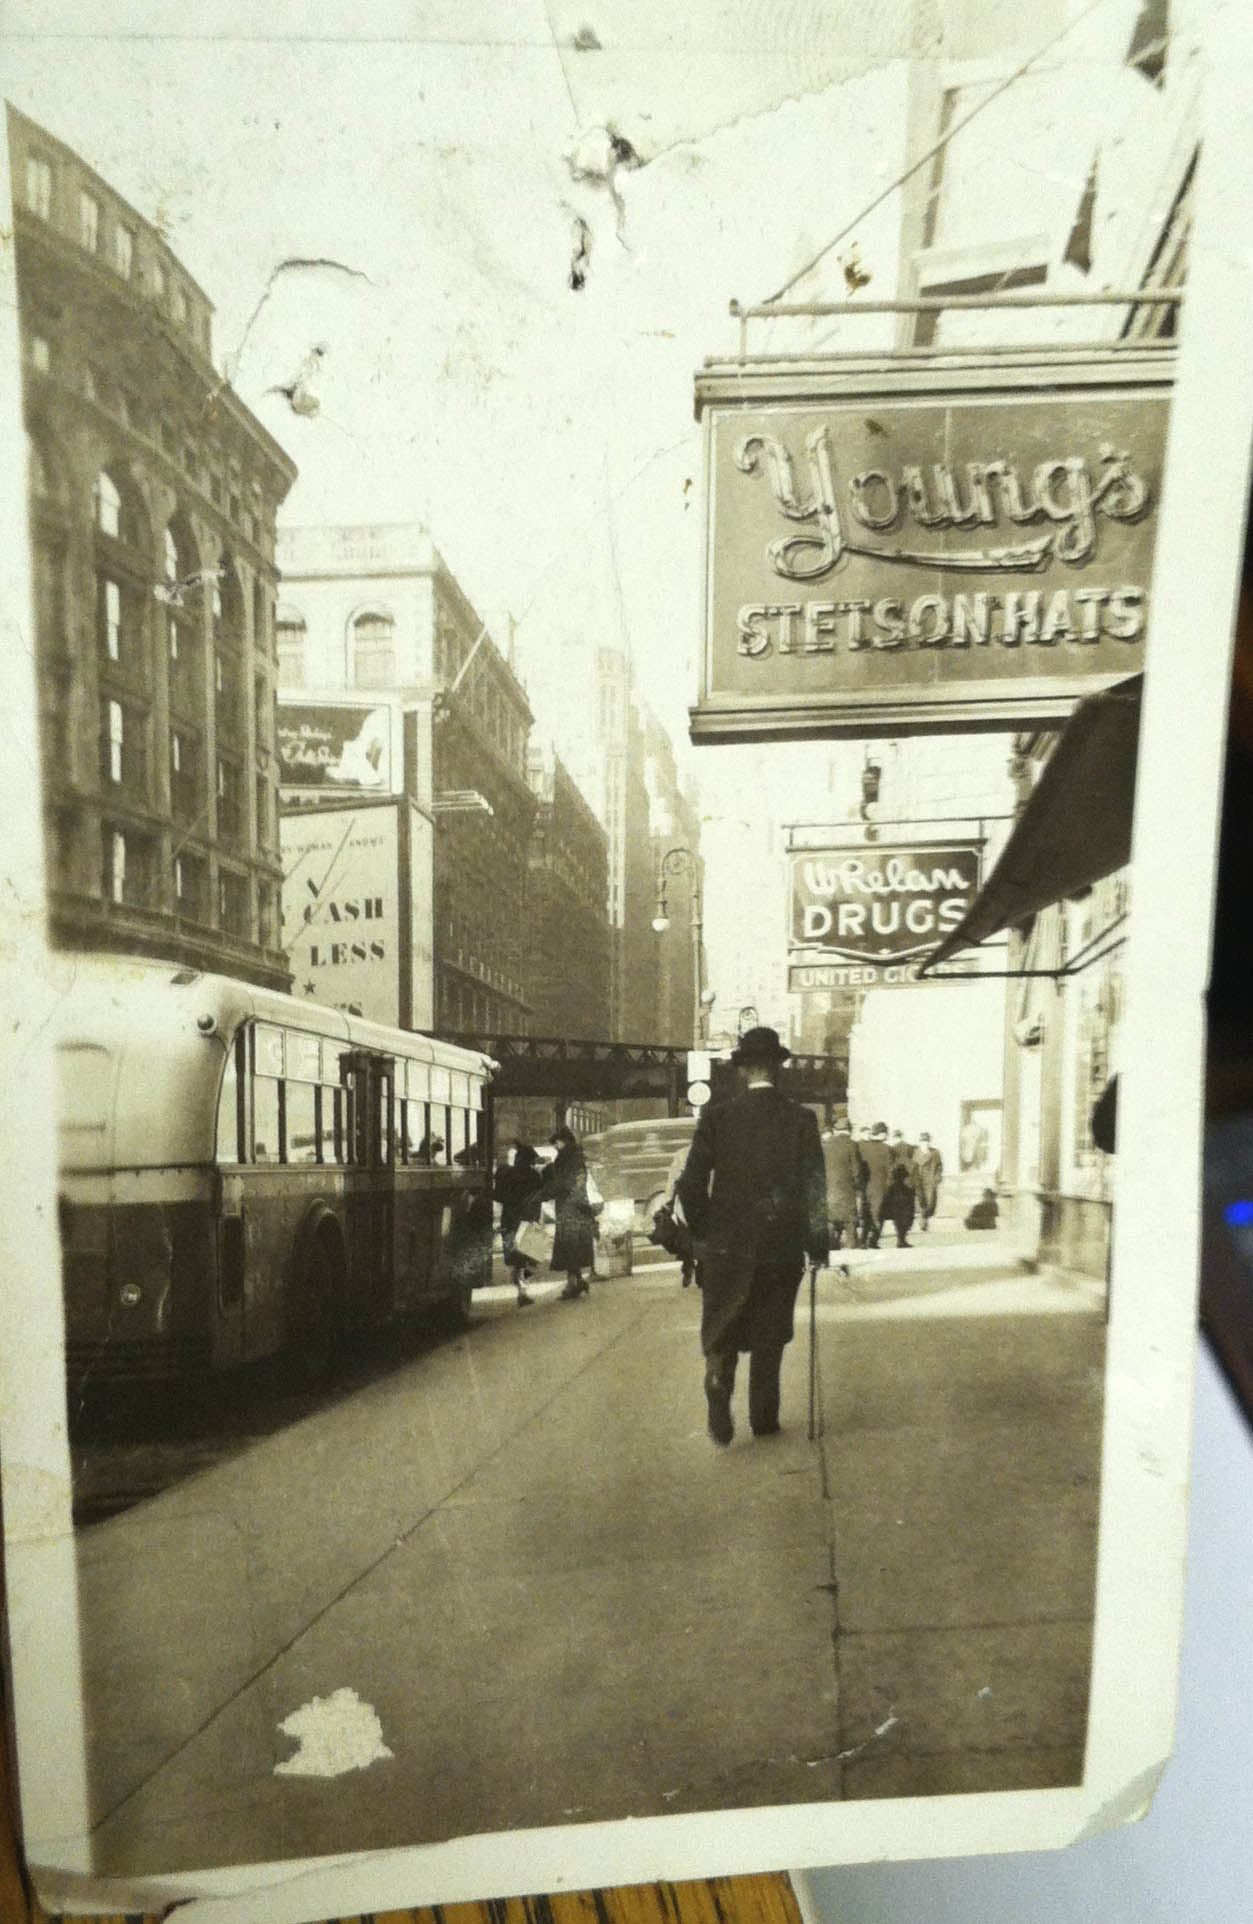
(130, 1295)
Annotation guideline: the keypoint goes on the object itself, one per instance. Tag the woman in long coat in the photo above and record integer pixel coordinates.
(517, 1192)
(565, 1184)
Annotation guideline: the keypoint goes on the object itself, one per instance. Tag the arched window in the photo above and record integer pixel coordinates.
(292, 636)
(372, 641)
(108, 505)
(173, 571)
(118, 509)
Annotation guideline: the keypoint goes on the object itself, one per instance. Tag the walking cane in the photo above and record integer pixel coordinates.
(813, 1348)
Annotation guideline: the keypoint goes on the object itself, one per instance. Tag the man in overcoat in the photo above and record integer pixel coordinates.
(877, 1162)
(929, 1167)
(754, 1193)
(839, 1152)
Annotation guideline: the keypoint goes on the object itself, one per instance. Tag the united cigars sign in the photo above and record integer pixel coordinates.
(880, 908)
(899, 545)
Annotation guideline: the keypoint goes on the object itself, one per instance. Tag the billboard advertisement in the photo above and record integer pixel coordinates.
(909, 547)
(330, 747)
(342, 906)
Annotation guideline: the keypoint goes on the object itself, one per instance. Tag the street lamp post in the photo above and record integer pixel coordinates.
(674, 862)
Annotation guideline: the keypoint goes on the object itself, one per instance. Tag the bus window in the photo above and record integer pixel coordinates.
(387, 1145)
(300, 1103)
(329, 1130)
(228, 1112)
(440, 1087)
(265, 1119)
(459, 1136)
(303, 1058)
(267, 1050)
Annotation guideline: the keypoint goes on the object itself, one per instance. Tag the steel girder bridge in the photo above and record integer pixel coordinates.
(568, 1070)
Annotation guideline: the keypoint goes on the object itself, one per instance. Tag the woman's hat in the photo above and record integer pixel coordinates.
(760, 1045)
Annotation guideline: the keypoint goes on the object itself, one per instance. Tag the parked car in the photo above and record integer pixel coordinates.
(631, 1161)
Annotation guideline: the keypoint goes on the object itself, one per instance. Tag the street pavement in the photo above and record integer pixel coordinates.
(562, 1602)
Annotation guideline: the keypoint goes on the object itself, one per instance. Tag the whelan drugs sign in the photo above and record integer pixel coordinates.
(879, 905)
(902, 545)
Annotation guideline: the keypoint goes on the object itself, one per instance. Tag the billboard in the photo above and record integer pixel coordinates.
(342, 908)
(879, 905)
(357, 909)
(900, 545)
(332, 747)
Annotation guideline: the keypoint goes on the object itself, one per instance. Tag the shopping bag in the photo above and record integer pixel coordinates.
(535, 1242)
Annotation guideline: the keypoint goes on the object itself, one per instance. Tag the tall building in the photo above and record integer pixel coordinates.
(567, 921)
(674, 825)
(376, 610)
(627, 765)
(153, 494)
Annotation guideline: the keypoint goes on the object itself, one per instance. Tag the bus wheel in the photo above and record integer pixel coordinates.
(315, 1344)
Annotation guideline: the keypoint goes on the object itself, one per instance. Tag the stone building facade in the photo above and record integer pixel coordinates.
(153, 494)
(377, 610)
(567, 921)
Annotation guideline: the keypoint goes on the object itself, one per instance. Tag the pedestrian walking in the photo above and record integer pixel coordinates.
(876, 1159)
(844, 1167)
(754, 1192)
(899, 1200)
(564, 1184)
(928, 1170)
(518, 1193)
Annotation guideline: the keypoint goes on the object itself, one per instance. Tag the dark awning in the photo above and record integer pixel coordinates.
(1075, 827)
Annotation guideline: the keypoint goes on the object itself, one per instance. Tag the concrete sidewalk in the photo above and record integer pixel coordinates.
(562, 1602)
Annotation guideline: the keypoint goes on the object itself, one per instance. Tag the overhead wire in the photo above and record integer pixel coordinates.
(936, 147)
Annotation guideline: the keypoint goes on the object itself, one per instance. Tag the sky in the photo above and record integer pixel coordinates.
(545, 435)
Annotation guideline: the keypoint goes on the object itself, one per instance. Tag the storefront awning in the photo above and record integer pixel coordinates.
(1075, 827)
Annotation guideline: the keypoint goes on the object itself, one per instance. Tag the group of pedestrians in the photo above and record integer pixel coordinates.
(876, 1179)
(522, 1186)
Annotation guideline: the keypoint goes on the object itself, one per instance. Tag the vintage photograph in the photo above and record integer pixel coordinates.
(592, 587)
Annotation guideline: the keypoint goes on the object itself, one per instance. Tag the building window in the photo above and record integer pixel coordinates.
(267, 915)
(373, 643)
(189, 887)
(39, 186)
(108, 505)
(233, 903)
(89, 221)
(263, 713)
(228, 794)
(292, 635)
(123, 250)
(112, 620)
(40, 354)
(171, 557)
(114, 741)
(115, 866)
(159, 281)
(264, 835)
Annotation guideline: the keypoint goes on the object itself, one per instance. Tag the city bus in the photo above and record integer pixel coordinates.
(244, 1174)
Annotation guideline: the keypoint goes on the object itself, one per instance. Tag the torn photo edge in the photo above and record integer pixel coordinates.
(1152, 1321)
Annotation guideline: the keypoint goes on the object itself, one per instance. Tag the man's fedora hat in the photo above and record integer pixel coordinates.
(760, 1045)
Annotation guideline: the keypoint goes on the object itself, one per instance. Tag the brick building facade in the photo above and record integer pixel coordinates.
(153, 494)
